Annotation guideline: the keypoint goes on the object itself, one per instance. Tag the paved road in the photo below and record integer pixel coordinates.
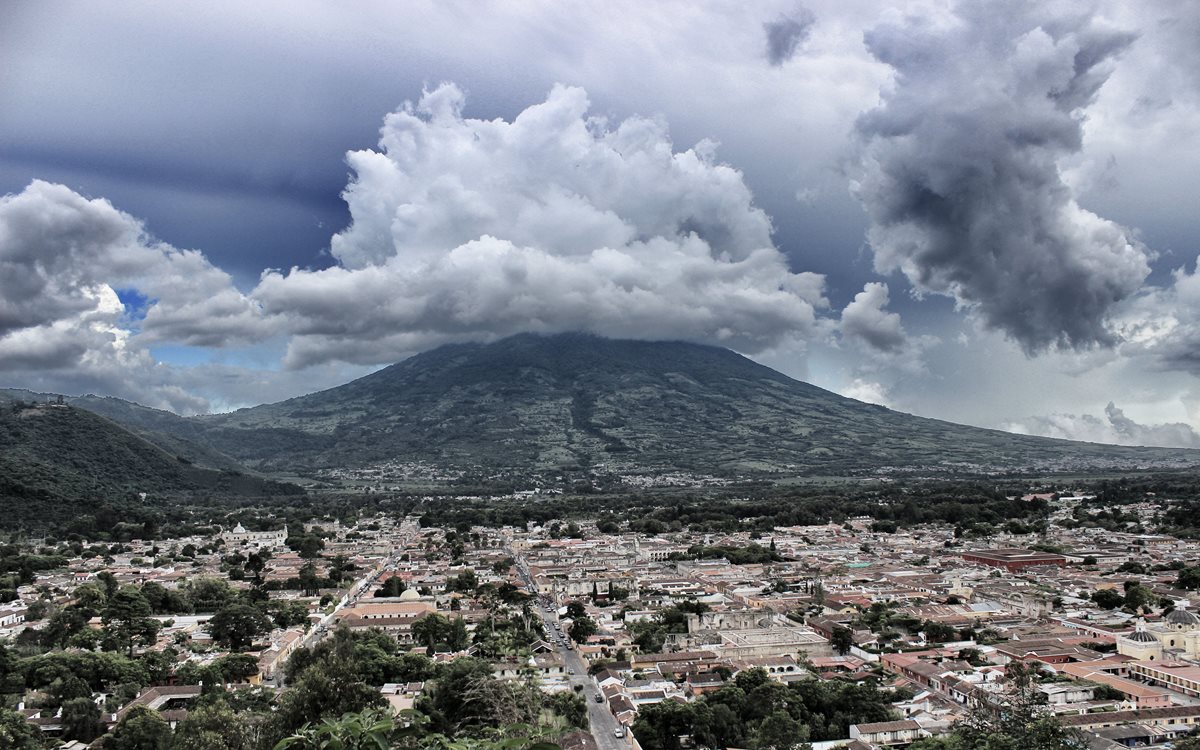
(602, 723)
(325, 626)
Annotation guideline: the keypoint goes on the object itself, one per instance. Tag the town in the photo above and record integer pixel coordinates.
(858, 634)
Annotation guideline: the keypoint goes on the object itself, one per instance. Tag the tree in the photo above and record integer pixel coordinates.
(429, 629)
(336, 571)
(569, 707)
(141, 728)
(237, 625)
(466, 581)
(457, 637)
(1138, 596)
(368, 730)
(209, 594)
(216, 726)
(434, 629)
(164, 601)
(127, 619)
(660, 725)
(392, 587)
(326, 689)
(780, 731)
(308, 546)
(1107, 693)
(842, 639)
(109, 581)
(465, 696)
(1017, 721)
(582, 629)
(90, 598)
(938, 632)
(1188, 578)
(1107, 599)
(288, 614)
(256, 563)
(575, 610)
(18, 734)
(81, 720)
(310, 583)
(236, 667)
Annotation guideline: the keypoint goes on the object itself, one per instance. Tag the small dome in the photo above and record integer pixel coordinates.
(1141, 636)
(239, 529)
(409, 595)
(1182, 617)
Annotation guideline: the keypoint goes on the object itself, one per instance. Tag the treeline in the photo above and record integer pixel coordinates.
(755, 507)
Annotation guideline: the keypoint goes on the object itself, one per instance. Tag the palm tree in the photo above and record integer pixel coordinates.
(369, 730)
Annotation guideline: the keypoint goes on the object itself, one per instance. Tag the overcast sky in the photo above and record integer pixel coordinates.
(980, 211)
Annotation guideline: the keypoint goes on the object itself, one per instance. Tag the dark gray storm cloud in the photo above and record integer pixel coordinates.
(786, 33)
(960, 170)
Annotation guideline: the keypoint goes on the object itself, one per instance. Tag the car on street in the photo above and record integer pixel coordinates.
(599, 699)
(618, 732)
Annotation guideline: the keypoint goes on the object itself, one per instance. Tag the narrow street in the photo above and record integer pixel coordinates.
(321, 628)
(603, 725)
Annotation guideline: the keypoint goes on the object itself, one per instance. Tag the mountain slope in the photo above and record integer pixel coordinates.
(60, 461)
(539, 402)
(172, 433)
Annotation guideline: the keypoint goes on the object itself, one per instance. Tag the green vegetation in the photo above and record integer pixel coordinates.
(651, 635)
(55, 461)
(756, 712)
(751, 554)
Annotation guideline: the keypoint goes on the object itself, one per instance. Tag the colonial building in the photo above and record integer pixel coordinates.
(240, 536)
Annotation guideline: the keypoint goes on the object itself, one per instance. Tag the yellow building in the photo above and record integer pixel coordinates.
(1140, 644)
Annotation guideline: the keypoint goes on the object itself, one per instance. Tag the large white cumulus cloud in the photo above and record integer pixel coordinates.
(555, 221)
(960, 169)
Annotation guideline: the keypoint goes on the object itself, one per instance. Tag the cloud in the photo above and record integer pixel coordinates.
(959, 170)
(554, 221)
(65, 258)
(1114, 428)
(1163, 323)
(865, 320)
(867, 391)
(880, 333)
(786, 33)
